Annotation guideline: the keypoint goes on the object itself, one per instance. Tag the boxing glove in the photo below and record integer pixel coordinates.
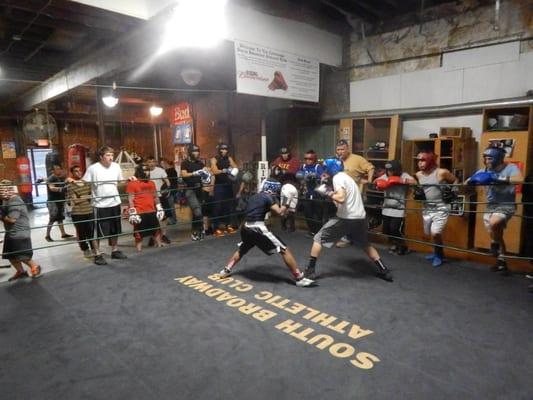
(483, 178)
(323, 190)
(233, 172)
(134, 218)
(382, 184)
(310, 176)
(395, 180)
(419, 193)
(198, 172)
(448, 193)
(289, 197)
(160, 213)
(205, 176)
(300, 175)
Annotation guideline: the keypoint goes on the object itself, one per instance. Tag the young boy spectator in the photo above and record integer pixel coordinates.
(394, 182)
(17, 239)
(56, 201)
(284, 169)
(145, 211)
(160, 178)
(79, 197)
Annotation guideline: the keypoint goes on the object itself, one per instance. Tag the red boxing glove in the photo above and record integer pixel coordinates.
(382, 184)
(395, 180)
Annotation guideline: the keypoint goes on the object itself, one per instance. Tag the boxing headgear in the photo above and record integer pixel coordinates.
(191, 149)
(496, 155)
(429, 157)
(394, 167)
(271, 186)
(333, 166)
(222, 146)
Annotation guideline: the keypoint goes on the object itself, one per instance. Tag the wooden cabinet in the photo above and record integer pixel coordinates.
(364, 133)
(519, 143)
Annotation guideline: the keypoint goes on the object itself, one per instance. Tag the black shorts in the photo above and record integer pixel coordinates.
(208, 206)
(108, 221)
(149, 226)
(84, 225)
(17, 249)
(257, 234)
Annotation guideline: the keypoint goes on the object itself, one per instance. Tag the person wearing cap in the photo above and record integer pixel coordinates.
(500, 179)
(350, 219)
(225, 169)
(254, 233)
(192, 171)
(394, 183)
(436, 194)
(284, 169)
(17, 239)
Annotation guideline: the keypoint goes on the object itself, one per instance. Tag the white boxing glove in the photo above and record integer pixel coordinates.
(160, 213)
(233, 172)
(323, 190)
(289, 197)
(134, 218)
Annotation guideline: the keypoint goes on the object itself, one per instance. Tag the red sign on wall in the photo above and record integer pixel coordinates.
(182, 114)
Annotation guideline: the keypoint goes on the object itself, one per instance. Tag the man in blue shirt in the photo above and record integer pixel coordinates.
(254, 232)
(500, 180)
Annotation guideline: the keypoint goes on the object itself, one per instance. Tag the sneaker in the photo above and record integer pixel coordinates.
(165, 239)
(310, 272)
(100, 260)
(66, 236)
(430, 257)
(230, 229)
(117, 254)
(500, 266)
(305, 282)
(224, 272)
(87, 253)
(35, 271)
(195, 236)
(18, 275)
(402, 251)
(219, 233)
(48, 239)
(437, 261)
(385, 275)
(393, 249)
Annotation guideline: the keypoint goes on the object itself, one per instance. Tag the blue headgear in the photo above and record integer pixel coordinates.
(496, 153)
(271, 186)
(333, 166)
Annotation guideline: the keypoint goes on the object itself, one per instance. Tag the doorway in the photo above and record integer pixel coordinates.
(37, 159)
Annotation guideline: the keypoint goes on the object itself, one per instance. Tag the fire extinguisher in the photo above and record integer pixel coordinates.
(23, 168)
(77, 154)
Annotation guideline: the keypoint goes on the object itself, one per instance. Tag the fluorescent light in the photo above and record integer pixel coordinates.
(110, 101)
(195, 23)
(155, 111)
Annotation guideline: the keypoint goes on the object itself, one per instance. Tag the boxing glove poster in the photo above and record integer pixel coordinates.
(263, 71)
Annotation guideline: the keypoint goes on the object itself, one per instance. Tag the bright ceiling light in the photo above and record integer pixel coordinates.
(195, 23)
(110, 101)
(191, 76)
(155, 111)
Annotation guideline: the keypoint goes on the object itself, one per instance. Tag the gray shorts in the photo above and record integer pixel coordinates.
(435, 218)
(504, 211)
(336, 228)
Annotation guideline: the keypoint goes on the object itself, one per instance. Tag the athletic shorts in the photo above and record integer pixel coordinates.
(56, 211)
(149, 226)
(336, 228)
(503, 211)
(21, 248)
(257, 234)
(435, 218)
(108, 221)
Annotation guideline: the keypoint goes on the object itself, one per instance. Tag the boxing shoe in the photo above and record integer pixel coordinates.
(385, 275)
(437, 261)
(218, 233)
(224, 272)
(230, 230)
(195, 236)
(500, 267)
(305, 282)
(310, 272)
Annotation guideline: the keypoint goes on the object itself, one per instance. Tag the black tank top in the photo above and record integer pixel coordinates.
(222, 163)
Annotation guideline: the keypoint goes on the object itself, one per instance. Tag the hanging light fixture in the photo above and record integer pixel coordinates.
(191, 76)
(111, 100)
(155, 111)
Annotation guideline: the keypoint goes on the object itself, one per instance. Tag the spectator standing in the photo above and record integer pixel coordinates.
(56, 202)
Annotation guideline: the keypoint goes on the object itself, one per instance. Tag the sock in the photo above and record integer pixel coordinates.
(312, 262)
(381, 267)
(298, 274)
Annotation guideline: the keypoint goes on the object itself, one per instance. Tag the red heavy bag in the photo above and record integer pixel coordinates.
(76, 156)
(24, 172)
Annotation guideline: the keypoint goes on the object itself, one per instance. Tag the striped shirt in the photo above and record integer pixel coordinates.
(75, 191)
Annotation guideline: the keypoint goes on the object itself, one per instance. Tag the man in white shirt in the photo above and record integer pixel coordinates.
(350, 218)
(104, 177)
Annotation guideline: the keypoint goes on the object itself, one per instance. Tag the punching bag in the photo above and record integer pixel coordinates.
(24, 173)
(77, 154)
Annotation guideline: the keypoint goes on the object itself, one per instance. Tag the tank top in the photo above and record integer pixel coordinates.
(433, 193)
(222, 163)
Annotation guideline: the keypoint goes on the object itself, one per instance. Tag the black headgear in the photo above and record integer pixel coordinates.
(394, 166)
(222, 146)
(284, 150)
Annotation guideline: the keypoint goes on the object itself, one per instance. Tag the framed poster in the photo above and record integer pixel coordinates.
(8, 150)
(182, 133)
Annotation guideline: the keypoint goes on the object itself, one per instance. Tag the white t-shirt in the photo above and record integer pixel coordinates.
(352, 208)
(104, 184)
(156, 175)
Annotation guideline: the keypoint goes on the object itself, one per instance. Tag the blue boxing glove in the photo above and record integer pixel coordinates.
(300, 175)
(483, 178)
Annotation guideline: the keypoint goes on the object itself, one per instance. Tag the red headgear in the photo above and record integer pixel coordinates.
(429, 157)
